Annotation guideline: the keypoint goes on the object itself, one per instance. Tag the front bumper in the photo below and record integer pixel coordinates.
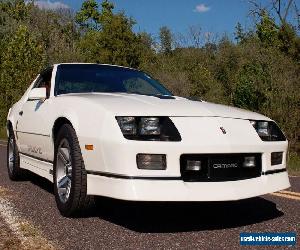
(178, 190)
(112, 168)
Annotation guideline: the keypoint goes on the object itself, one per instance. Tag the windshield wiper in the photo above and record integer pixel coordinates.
(160, 96)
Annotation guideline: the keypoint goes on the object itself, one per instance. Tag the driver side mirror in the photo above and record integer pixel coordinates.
(37, 94)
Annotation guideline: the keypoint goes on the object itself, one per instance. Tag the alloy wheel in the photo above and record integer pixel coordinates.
(64, 171)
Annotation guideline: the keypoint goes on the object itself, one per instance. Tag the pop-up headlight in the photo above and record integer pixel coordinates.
(148, 128)
(268, 130)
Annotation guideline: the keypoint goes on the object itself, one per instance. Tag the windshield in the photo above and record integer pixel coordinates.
(87, 78)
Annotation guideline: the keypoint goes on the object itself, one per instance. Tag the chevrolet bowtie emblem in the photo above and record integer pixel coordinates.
(223, 130)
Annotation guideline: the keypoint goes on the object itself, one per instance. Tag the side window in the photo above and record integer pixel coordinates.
(44, 81)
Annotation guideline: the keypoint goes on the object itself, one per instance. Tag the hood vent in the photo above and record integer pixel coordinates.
(165, 97)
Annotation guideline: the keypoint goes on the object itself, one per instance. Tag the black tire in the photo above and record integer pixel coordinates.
(13, 166)
(78, 199)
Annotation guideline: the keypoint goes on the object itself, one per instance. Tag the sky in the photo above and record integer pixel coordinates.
(217, 17)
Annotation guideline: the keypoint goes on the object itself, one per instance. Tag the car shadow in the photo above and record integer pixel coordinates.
(170, 217)
(39, 181)
(163, 217)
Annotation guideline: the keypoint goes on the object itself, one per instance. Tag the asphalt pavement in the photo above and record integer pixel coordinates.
(127, 225)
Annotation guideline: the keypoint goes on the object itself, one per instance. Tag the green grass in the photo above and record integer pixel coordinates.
(3, 134)
(294, 164)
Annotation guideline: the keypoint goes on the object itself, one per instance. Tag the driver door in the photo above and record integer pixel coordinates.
(33, 129)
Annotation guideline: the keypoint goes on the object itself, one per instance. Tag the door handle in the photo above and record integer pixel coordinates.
(21, 113)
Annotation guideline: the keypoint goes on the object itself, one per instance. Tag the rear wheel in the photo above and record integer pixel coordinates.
(69, 175)
(13, 158)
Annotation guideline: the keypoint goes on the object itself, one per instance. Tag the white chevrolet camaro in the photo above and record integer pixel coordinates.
(104, 130)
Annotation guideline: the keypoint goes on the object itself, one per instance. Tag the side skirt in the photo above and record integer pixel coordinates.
(37, 166)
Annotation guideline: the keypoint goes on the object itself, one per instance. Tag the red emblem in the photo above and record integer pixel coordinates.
(223, 130)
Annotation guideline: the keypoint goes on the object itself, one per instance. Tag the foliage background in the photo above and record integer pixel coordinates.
(259, 70)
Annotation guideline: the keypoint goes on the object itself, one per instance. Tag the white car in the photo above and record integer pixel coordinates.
(104, 130)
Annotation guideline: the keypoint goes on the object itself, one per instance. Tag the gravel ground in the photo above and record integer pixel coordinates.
(295, 184)
(119, 225)
(7, 238)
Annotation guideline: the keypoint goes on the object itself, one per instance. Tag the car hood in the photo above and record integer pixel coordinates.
(122, 104)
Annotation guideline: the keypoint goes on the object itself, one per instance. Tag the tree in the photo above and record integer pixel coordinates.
(146, 39)
(17, 9)
(58, 33)
(147, 52)
(201, 83)
(226, 66)
(7, 28)
(282, 12)
(248, 93)
(166, 40)
(241, 35)
(267, 31)
(283, 37)
(88, 17)
(107, 11)
(289, 42)
(23, 59)
(281, 9)
(195, 35)
(113, 41)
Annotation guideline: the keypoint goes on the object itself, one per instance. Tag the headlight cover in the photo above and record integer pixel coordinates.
(268, 130)
(148, 128)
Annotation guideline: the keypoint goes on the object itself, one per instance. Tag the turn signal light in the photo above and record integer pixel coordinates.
(89, 147)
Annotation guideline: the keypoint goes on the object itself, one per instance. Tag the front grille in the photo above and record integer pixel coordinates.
(219, 167)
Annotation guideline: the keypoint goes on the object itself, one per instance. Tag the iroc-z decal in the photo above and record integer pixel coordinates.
(35, 150)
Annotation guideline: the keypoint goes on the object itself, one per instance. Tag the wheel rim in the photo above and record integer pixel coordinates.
(63, 170)
(11, 155)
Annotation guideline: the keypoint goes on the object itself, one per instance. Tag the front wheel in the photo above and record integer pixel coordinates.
(69, 175)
